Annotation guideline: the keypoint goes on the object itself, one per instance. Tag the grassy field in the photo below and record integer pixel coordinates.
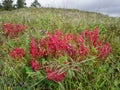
(93, 75)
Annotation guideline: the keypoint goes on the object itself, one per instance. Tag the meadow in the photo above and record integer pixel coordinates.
(45, 44)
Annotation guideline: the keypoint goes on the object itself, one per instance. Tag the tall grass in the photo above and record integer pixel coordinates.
(93, 75)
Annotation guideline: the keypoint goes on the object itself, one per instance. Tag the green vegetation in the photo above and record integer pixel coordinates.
(7, 4)
(21, 3)
(36, 4)
(92, 75)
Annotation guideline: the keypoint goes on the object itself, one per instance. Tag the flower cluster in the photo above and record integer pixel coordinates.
(93, 38)
(13, 29)
(59, 44)
(104, 50)
(76, 47)
(55, 75)
(35, 65)
(17, 53)
(35, 51)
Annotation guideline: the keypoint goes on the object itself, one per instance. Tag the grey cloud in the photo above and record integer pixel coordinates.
(104, 6)
(110, 7)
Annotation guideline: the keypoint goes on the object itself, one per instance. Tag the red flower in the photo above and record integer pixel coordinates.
(104, 51)
(95, 36)
(58, 44)
(33, 47)
(55, 75)
(68, 37)
(82, 50)
(13, 29)
(79, 39)
(41, 52)
(17, 53)
(70, 50)
(44, 42)
(8, 27)
(92, 36)
(58, 33)
(88, 33)
(35, 65)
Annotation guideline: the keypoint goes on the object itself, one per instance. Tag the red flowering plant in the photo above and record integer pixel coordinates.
(55, 75)
(17, 53)
(102, 49)
(76, 47)
(13, 30)
(59, 44)
(35, 65)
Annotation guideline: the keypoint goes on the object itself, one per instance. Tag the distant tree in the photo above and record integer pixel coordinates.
(36, 4)
(8, 4)
(1, 6)
(21, 3)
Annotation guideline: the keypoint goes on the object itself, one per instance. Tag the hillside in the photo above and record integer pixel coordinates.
(59, 49)
(57, 18)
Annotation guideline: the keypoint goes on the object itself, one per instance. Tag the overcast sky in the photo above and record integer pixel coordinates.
(110, 7)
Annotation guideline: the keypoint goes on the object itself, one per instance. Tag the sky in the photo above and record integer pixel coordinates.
(109, 7)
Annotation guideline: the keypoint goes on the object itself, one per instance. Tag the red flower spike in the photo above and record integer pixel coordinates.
(104, 50)
(95, 36)
(41, 53)
(35, 65)
(88, 33)
(82, 50)
(17, 53)
(92, 36)
(79, 39)
(44, 42)
(33, 48)
(58, 33)
(13, 29)
(68, 37)
(55, 75)
(70, 50)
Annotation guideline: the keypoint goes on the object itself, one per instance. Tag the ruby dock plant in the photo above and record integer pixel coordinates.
(13, 30)
(17, 53)
(76, 47)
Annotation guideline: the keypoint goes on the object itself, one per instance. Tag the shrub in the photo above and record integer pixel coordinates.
(7, 4)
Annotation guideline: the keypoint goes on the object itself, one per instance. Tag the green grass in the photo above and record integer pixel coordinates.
(103, 75)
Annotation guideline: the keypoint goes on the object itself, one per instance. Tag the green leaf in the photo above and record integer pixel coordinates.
(61, 86)
(94, 49)
(62, 59)
(111, 70)
(116, 82)
(44, 61)
(70, 73)
(28, 69)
